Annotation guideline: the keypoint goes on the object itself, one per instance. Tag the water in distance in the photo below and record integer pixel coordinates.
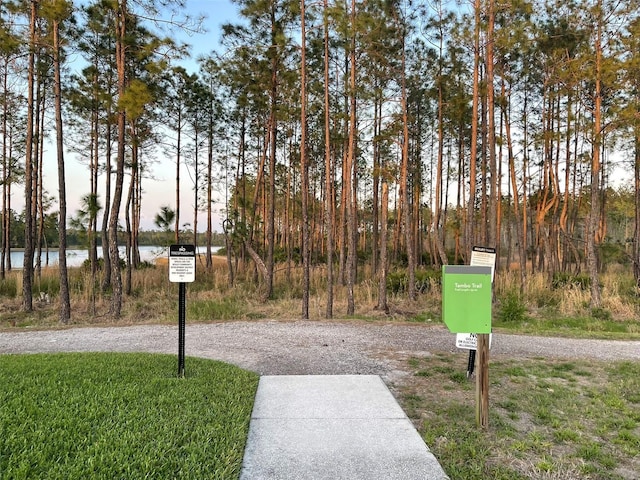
(75, 258)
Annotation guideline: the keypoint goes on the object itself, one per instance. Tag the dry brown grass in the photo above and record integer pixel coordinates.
(153, 297)
(574, 300)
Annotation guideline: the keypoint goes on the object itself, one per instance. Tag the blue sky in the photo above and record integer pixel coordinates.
(160, 190)
(216, 12)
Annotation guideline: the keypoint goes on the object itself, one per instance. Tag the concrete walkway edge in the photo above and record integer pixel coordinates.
(333, 427)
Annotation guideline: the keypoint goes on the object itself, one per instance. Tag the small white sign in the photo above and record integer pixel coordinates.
(182, 263)
(484, 257)
(469, 341)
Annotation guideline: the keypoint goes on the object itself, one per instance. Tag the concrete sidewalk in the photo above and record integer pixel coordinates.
(333, 427)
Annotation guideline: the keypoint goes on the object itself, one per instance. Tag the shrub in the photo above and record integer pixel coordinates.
(546, 298)
(9, 287)
(46, 284)
(512, 309)
(564, 279)
(145, 264)
(425, 279)
(86, 265)
(600, 313)
(613, 252)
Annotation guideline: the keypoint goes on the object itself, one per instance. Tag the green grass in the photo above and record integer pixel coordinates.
(547, 418)
(586, 327)
(208, 310)
(106, 415)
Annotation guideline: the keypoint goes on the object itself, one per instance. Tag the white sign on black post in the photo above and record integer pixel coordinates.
(182, 263)
(182, 269)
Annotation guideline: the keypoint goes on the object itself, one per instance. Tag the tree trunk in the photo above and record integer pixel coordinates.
(65, 302)
(39, 190)
(27, 271)
(329, 190)
(106, 256)
(127, 216)
(382, 270)
(636, 236)
(37, 156)
(438, 223)
(494, 235)
(260, 265)
(116, 278)
(304, 169)
(196, 192)
(176, 228)
(273, 137)
(94, 173)
(404, 181)
(594, 213)
(377, 129)
(351, 240)
(210, 126)
(474, 133)
(525, 183)
(6, 174)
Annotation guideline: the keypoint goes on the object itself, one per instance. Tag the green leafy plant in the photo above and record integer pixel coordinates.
(565, 279)
(600, 313)
(512, 309)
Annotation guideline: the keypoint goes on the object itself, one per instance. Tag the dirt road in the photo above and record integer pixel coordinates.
(306, 347)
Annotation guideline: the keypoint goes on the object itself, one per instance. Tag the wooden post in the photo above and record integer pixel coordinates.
(482, 382)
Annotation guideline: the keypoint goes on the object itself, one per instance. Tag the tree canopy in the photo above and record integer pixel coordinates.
(400, 134)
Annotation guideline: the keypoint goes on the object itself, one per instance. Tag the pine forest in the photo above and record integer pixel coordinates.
(347, 140)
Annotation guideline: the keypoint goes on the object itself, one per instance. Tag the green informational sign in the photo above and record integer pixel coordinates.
(466, 298)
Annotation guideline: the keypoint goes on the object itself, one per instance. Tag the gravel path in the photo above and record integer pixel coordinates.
(305, 347)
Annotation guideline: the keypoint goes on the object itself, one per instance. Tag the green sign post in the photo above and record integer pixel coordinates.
(466, 307)
(466, 298)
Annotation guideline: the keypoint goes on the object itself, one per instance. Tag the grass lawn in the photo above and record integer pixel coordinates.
(548, 419)
(125, 416)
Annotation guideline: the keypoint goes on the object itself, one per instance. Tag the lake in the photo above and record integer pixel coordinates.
(75, 258)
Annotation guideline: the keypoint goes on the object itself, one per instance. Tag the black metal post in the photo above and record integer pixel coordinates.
(181, 326)
(472, 363)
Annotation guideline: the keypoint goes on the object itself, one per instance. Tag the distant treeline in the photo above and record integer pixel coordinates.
(77, 238)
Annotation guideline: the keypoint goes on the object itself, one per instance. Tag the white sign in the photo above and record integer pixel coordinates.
(469, 341)
(182, 263)
(484, 257)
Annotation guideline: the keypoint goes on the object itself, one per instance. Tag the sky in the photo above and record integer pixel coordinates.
(160, 190)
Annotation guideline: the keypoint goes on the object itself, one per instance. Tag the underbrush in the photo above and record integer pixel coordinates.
(546, 305)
